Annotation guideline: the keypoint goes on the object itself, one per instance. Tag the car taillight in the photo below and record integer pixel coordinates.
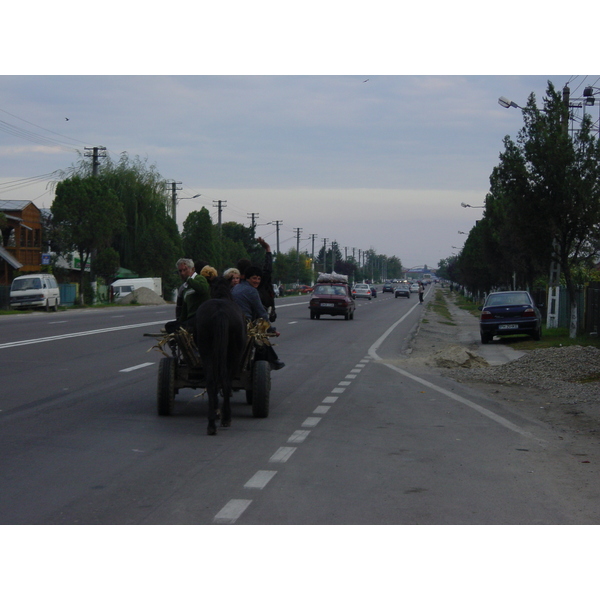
(529, 312)
(486, 315)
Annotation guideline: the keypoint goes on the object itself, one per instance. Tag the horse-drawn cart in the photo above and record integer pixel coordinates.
(182, 368)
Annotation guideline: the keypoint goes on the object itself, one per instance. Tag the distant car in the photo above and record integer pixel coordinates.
(331, 299)
(414, 287)
(362, 290)
(373, 291)
(402, 290)
(305, 289)
(387, 287)
(509, 313)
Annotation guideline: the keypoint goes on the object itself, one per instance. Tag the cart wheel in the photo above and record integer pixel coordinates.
(261, 389)
(165, 391)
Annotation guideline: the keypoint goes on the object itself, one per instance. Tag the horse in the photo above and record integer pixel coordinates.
(221, 339)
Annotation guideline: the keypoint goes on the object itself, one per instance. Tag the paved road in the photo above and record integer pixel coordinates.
(352, 438)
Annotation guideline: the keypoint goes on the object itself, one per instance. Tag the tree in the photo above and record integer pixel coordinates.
(150, 243)
(89, 215)
(549, 185)
(197, 236)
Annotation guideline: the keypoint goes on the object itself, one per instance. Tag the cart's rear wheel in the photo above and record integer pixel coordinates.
(261, 389)
(165, 391)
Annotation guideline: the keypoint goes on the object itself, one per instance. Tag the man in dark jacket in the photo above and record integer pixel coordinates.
(246, 295)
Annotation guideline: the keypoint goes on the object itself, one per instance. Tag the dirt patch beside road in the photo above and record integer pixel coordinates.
(558, 386)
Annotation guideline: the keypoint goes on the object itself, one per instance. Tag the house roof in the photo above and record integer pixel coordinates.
(14, 204)
(9, 258)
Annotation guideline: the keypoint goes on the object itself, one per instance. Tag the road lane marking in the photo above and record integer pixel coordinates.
(346, 383)
(66, 336)
(311, 422)
(337, 390)
(136, 367)
(321, 410)
(232, 511)
(298, 436)
(283, 454)
(350, 377)
(330, 399)
(484, 411)
(260, 479)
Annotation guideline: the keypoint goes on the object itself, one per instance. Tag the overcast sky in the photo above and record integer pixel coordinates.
(370, 160)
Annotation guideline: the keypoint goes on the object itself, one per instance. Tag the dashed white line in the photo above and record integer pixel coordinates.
(282, 455)
(337, 390)
(298, 436)
(330, 399)
(232, 511)
(311, 422)
(260, 479)
(350, 377)
(321, 410)
(135, 368)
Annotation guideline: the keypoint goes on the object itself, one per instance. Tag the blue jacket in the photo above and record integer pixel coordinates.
(248, 299)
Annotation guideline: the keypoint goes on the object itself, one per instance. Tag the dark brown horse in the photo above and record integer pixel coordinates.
(221, 340)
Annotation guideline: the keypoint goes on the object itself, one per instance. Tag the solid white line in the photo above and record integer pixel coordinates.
(484, 411)
(298, 436)
(135, 368)
(232, 511)
(77, 334)
(260, 479)
(282, 455)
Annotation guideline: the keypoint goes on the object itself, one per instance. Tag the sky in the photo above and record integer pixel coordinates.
(370, 153)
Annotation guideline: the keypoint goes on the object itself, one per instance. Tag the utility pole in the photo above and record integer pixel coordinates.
(174, 189)
(277, 224)
(97, 152)
(312, 236)
(219, 204)
(554, 278)
(298, 230)
(253, 216)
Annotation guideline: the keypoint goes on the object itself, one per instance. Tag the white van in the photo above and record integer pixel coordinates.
(39, 290)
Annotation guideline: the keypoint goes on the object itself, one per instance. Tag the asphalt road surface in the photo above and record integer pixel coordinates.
(352, 437)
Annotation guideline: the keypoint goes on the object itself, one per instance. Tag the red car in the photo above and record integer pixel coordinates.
(331, 299)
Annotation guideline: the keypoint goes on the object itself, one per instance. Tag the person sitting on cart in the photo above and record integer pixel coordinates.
(194, 291)
(246, 296)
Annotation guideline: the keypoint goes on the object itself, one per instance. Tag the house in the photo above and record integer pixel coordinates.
(21, 244)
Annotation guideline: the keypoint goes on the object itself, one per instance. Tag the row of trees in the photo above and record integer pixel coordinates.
(117, 216)
(543, 208)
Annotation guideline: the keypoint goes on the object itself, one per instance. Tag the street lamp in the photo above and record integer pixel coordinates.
(462, 233)
(469, 206)
(506, 103)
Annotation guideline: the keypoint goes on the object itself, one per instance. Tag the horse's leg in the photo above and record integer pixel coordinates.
(212, 412)
(213, 401)
(226, 415)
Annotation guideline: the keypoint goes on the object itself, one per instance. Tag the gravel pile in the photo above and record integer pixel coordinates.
(561, 372)
(142, 295)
